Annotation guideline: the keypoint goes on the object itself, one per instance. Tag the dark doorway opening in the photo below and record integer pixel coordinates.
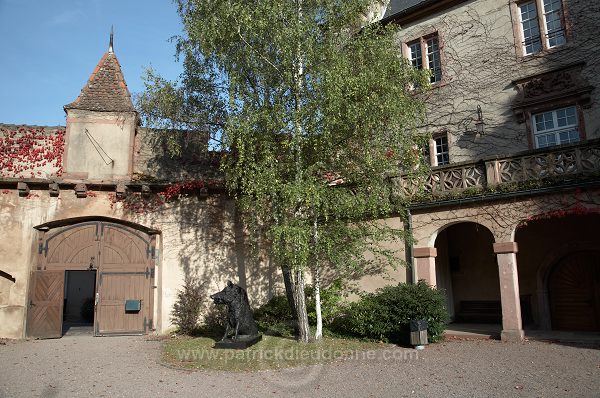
(79, 300)
(467, 271)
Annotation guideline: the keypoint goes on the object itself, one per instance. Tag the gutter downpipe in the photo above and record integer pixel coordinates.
(408, 244)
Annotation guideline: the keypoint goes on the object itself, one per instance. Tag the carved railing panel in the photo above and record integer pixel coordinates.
(446, 180)
(589, 159)
(577, 160)
(561, 162)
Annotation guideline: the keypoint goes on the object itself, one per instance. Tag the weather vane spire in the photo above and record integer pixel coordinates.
(110, 44)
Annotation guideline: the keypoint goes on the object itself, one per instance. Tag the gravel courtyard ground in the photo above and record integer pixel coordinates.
(83, 366)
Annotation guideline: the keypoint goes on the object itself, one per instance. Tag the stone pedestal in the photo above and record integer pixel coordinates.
(425, 264)
(241, 343)
(512, 329)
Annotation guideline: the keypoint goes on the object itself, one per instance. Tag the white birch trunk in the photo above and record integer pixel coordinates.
(317, 282)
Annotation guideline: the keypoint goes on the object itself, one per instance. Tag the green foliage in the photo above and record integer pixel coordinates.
(187, 307)
(385, 314)
(275, 317)
(213, 323)
(331, 301)
(298, 95)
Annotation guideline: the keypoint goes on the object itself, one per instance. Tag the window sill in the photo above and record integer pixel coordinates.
(432, 87)
(543, 53)
(439, 84)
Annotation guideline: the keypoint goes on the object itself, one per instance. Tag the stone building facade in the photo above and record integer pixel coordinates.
(505, 221)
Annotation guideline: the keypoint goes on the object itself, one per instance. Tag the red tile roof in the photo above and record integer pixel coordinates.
(106, 90)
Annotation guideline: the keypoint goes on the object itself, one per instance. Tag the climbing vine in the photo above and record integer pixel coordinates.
(139, 203)
(30, 152)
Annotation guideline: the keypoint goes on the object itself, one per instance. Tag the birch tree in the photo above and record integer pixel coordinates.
(313, 112)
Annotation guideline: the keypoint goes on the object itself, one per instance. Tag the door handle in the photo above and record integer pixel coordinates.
(97, 299)
(31, 303)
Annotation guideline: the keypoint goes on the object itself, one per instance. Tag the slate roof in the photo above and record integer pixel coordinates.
(404, 6)
(105, 90)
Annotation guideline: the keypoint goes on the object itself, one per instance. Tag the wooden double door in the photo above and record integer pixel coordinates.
(574, 292)
(124, 260)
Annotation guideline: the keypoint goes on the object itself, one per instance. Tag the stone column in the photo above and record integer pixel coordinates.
(512, 329)
(425, 264)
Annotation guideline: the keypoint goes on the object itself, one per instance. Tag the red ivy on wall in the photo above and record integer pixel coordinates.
(173, 191)
(138, 203)
(30, 152)
(577, 210)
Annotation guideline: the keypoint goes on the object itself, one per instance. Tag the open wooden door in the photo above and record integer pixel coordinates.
(125, 279)
(123, 303)
(45, 313)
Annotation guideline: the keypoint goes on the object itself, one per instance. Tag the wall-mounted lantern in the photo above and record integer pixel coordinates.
(479, 122)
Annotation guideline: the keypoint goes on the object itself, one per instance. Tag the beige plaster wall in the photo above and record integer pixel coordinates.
(16, 256)
(114, 135)
(388, 276)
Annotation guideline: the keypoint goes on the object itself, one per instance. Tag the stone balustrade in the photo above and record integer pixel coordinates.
(561, 162)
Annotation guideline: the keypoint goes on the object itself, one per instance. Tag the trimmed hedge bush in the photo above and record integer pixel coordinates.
(385, 314)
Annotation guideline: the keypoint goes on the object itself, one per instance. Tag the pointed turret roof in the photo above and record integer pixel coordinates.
(106, 90)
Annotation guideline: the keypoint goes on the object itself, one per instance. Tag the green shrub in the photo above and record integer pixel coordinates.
(187, 307)
(214, 322)
(385, 314)
(275, 317)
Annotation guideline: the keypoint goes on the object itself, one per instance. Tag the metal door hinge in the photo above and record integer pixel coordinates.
(147, 324)
(43, 248)
(151, 252)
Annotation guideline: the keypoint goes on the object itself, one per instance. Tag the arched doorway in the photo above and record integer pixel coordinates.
(118, 260)
(556, 255)
(574, 292)
(467, 270)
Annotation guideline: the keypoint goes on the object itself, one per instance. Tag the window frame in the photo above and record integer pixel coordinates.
(433, 152)
(555, 130)
(425, 59)
(542, 25)
(553, 106)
